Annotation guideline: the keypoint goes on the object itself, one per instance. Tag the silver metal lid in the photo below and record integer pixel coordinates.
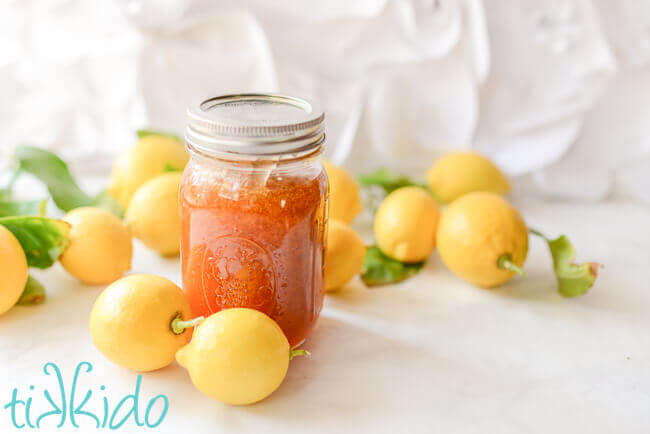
(254, 125)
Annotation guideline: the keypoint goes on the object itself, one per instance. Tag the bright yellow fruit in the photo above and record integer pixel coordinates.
(130, 322)
(459, 173)
(475, 231)
(237, 356)
(100, 248)
(147, 158)
(13, 270)
(406, 224)
(344, 255)
(153, 213)
(344, 199)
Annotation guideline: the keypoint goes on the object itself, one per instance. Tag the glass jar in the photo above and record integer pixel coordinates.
(254, 209)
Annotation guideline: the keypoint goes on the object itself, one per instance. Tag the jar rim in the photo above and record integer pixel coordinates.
(254, 125)
(257, 160)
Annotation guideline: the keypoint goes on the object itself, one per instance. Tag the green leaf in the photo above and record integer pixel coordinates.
(388, 181)
(34, 293)
(573, 279)
(22, 207)
(145, 133)
(43, 239)
(54, 173)
(379, 269)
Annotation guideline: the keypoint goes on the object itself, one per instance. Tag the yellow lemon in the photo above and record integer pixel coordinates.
(13, 269)
(344, 199)
(153, 213)
(459, 173)
(132, 322)
(344, 255)
(406, 224)
(237, 356)
(149, 157)
(480, 236)
(100, 248)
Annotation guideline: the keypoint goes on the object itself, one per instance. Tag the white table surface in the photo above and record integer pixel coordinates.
(432, 354)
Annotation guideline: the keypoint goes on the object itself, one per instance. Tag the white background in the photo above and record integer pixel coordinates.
(557, 92)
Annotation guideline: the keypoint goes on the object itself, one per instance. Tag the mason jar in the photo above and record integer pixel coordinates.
(253, 205)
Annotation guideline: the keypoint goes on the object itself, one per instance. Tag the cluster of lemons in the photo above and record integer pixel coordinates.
(142, 322)
(240, 356)
(101, 248)
(476, 231)
(145, 181)
(480, 236)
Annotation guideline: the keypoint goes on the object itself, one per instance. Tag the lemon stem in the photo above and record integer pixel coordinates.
(505, 262)
(296, 353)
(178, 325)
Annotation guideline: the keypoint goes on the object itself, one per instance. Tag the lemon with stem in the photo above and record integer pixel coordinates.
(483, 239)
(237, 356)
(139, 322)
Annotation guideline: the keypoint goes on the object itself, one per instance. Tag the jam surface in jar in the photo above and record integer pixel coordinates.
(254, 236)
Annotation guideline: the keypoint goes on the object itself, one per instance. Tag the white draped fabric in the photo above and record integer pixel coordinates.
(557, 91)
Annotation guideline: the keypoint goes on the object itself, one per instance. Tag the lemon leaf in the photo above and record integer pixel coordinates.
(145, 133)
(54, 173)
(573, 279)
(22, 207)
(379, 269)
(34, 293)
(43, 239)
(387, 180)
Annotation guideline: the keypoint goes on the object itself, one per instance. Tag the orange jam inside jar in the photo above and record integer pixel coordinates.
(254, 209)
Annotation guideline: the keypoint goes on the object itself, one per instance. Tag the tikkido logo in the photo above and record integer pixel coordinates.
(54, 406)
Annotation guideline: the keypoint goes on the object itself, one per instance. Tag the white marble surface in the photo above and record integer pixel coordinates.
(430, 355)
